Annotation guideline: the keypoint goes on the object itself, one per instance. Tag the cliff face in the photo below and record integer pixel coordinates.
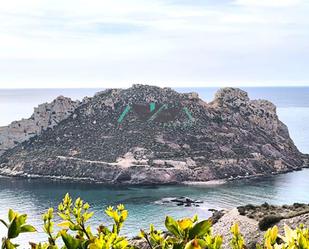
(148, 134)
(44, 116)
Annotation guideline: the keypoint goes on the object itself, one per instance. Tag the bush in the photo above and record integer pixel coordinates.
(250, 206)
(241, 210)
(265, 205)
(74, 233)
(268, 221)
(298, 205)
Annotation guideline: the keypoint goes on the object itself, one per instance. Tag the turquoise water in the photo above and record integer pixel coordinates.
(35, 196)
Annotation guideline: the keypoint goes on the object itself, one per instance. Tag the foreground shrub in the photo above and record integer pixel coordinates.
(292, 239)
(74, 232)
(16, 224)
(237, 241)
(187, 233)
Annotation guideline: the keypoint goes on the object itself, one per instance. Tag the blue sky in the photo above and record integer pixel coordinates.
(100, 43)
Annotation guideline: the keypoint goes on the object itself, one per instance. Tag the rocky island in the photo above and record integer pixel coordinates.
(150, 135)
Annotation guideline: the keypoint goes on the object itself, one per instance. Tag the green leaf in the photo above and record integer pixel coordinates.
(85, 244)
(218, 242)
(178, 245)
(7, 244)
(63, 216)
(11, 215)
(74, 227)
(87, 216)
(200, 229)
(173, 227)
(121, 244)
(64, 224)
(88, 230)
(13, 229)
(70, 242)
(21, 219)
(4, 223)
(27, 229)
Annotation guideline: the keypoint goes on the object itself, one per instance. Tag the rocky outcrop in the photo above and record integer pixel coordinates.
(179, 201)
(149, 135)
(222, 221)
(45, 116)
(293, 216)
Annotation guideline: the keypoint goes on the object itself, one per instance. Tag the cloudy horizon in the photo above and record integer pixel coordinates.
(177, 43)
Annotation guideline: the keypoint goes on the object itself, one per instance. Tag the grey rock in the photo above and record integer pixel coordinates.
(180, 201)
(45, 116)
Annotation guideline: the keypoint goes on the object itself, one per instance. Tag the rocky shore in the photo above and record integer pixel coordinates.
(150, 135)
(222, 221)
(250, 217)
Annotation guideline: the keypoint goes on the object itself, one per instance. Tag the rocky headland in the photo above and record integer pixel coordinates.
(150, 135)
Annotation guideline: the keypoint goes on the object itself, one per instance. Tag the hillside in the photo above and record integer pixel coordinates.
(148, 135)
(45, 116)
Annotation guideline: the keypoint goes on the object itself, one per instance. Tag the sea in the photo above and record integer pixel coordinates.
(33, 196)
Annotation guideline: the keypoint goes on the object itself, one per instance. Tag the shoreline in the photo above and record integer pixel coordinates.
(205, 183)
(86, 180)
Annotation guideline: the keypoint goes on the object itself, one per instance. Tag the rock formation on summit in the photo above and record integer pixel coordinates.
(151, 135)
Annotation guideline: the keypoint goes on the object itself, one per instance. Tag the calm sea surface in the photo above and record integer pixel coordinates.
(35, 196)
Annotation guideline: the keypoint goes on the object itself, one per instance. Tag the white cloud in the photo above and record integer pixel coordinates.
(82, 43)
(269, 3)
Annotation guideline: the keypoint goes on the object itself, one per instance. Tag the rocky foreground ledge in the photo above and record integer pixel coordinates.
(150, 135)
(255, 220)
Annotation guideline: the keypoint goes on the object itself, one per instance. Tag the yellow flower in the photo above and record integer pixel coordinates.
(235, 229)
(185, 223)
(124, 214)
(120, 207)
